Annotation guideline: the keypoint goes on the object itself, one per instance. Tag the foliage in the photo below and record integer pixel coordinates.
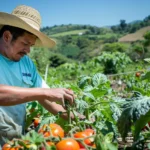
(95, 99)
(147, 39)
(134, 114)
(71, 51)
(113, 61)
(115, 47)
(56, 59)
(39, 61)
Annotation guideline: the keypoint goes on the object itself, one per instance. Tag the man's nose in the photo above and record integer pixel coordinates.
(27, 49)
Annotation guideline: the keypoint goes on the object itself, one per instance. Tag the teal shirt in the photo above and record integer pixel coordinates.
(20, 74)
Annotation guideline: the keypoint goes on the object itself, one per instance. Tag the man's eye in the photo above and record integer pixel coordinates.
(25, 44)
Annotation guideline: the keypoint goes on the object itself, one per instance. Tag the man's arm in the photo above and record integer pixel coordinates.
(54, 108)
(10, 95)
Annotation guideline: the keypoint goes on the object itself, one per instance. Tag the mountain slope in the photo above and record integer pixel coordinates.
(138, 35)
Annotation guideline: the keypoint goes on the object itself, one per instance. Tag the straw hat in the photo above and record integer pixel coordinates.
(29, 19)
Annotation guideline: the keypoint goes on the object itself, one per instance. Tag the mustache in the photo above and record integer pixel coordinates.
(23, 53)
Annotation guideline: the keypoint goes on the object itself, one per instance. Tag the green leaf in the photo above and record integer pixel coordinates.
(34, 137)
(146, 76)
(140, 123)
(98, 79)
(105, 142)
(135, 108)
(89, 95)
(100, 143)
(112, 146)
(83, 81)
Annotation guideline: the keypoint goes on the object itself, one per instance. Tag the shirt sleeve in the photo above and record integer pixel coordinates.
(44, 84)
(36, 78)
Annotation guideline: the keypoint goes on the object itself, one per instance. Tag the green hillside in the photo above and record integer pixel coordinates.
(83, 42)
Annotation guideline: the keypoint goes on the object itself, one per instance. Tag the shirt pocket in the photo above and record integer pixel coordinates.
(27, 82)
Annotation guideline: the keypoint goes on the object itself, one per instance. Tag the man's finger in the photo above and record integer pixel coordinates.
(70, 92)
(69, 98)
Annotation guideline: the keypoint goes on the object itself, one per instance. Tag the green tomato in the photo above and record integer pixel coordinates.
(31, 146)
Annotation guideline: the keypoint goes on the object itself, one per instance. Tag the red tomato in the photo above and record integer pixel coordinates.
(138, 74)
(36, 122)
(53, 128)
(10, 146)
(89, 132)
(145, 128)
(82, 135)
(67, 144)
(50, 143)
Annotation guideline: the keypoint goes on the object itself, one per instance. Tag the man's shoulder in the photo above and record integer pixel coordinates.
(26, 60)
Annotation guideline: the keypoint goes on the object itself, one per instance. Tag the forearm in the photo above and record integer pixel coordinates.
(10, 95)
(54, 108)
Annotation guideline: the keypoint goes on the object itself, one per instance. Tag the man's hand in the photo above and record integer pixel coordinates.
(59, 95)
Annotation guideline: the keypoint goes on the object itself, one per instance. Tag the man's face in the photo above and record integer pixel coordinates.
(20, 47)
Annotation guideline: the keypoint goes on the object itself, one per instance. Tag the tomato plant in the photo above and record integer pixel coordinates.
(67, 144)
(53, 128)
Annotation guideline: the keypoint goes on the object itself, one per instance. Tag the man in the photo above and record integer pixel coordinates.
(19, 81)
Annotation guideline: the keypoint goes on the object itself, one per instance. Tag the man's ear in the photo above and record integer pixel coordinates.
(7, 36)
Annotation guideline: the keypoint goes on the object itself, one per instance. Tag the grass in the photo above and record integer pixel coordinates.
(74, 32)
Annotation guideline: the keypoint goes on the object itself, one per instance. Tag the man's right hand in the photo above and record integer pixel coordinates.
(59, 95)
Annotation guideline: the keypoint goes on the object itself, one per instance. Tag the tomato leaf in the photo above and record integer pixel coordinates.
(136, 107)
(140, 123)
(105, 142)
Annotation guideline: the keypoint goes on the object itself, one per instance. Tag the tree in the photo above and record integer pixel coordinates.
(82, 42)
(123, 24)
(112, 47)
(70, 51)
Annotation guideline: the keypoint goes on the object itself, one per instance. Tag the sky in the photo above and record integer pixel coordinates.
(84, 12)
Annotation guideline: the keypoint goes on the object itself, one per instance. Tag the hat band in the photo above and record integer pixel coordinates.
(31, 23)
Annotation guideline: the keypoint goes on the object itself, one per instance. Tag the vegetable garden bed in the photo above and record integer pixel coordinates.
(118, 119)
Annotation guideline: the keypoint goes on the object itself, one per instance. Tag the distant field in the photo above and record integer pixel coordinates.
(135, 36)
(104, 36)
(77, 32)
(74, 32)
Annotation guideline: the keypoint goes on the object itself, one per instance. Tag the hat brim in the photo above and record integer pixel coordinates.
(12, 20)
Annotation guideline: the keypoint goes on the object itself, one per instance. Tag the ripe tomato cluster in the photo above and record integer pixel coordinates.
(14, 145)
(53, 129)
(78, 141)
